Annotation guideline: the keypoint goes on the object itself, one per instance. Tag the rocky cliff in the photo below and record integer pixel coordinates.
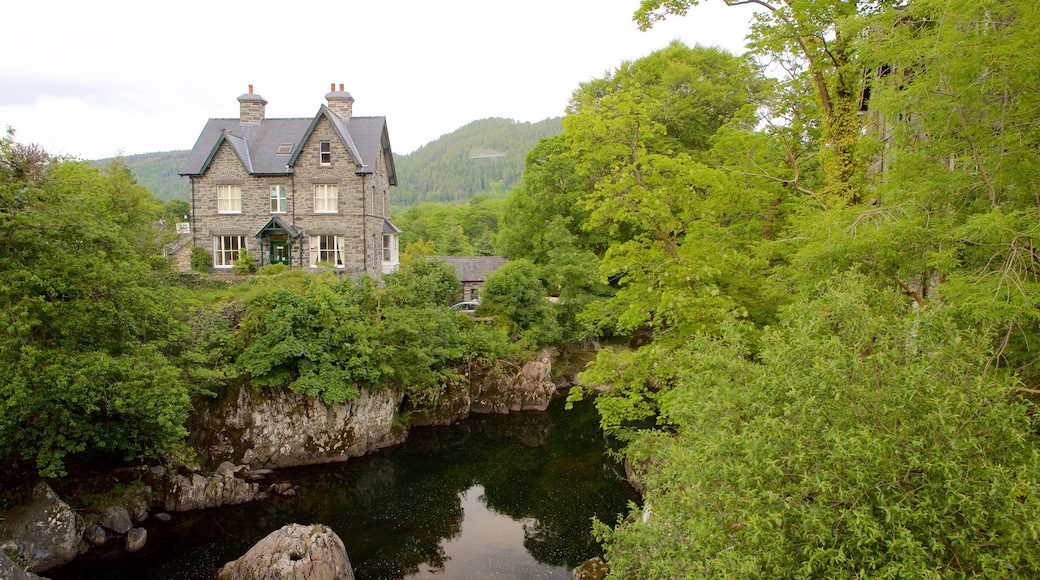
(270, 429)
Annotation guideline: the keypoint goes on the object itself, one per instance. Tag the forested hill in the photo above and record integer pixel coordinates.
(484, 156)
(158, 172)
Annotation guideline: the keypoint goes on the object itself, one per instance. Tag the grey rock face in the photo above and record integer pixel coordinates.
(95, 535)
(11, 571)
(284, 429)
(531, 389)
(224, 487)
(594, 569)
(43, 533)
(135, 539)
(117, 519)
(295, 551)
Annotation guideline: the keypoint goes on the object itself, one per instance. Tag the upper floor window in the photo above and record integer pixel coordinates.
(326, 198)
(229, 199)
(325, 152)
(277, 199)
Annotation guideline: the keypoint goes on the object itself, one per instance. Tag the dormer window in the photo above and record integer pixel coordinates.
(325, 153)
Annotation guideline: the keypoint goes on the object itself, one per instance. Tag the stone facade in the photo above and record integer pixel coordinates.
(330, 152)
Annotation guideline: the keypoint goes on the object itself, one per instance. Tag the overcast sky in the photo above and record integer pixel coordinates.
(92, 79)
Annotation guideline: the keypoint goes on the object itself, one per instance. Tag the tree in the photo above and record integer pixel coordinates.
(515, 297)
(89, 344)
(815, 43)
(860, 441)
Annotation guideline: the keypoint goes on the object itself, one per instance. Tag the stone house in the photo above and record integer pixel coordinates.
(305, 192)
(473, 271)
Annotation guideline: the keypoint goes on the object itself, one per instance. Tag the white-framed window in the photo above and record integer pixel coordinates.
(229, 199)
(277, 199)
(327, 250)
(225, 250)
(390, 254)
(389, 248)
(324, 153)
(326, 198)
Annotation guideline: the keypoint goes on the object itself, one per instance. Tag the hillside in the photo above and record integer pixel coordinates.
(158, 172)
(485, 156)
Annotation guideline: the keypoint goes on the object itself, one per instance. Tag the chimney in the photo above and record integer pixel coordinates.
(251, 107)
(340, 102)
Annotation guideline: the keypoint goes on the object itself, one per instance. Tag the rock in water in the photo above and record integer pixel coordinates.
(295, 551)
(11, 571)
(117, 519)
(594, 569)
(135, 539)
(44, 534)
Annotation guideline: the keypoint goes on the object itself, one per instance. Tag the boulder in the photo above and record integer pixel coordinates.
(530, 389)
(95, 535)
(295, 551)
(592, 569)
(225, 487)
(11, 571)
(117, 519)
(135, 539)
(43, 534)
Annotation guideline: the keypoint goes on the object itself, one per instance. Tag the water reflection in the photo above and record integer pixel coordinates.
(491, 545)
(507, 496)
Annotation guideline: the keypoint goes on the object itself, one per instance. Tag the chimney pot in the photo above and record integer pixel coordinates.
(341, 87)
(250, 89)
(332, 88)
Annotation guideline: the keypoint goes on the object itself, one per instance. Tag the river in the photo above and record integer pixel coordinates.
(496, 496)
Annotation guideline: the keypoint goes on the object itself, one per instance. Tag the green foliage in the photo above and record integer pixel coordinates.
(515, 297)
(861, 442)
(426, 282)
(178, 210)
(88, 349)
(200, 260)
(455, 230)
(273, 270)
(321, 341)
(245, 264)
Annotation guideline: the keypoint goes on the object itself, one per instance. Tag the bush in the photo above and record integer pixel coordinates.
(273, 269)
(861, 442)
(201, 260)
(245, 264)
(515, 297)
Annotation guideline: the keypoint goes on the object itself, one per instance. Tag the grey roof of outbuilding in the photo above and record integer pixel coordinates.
(256, 144)
(474, 268)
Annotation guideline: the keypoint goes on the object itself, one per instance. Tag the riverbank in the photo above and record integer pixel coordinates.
(280, 430)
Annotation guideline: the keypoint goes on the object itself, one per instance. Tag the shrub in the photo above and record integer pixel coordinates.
(273, 269)
(246, 263)
(200, 260)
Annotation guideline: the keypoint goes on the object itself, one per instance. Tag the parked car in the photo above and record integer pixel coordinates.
(468, 307)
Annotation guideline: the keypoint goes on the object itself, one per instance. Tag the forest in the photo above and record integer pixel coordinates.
(811, 269)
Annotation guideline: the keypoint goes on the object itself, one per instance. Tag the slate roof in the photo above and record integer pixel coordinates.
(256, 144)
(473, 268)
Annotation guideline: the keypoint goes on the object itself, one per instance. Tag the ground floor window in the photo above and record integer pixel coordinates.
(225, 250)
(327, 250)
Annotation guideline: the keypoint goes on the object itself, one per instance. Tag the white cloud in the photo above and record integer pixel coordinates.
(139, 77)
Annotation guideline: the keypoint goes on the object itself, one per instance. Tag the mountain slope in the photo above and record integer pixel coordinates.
(485, 156)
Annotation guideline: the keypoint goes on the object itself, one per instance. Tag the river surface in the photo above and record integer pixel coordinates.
(496, 496)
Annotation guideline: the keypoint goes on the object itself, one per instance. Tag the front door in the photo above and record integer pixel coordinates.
(280, 252)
